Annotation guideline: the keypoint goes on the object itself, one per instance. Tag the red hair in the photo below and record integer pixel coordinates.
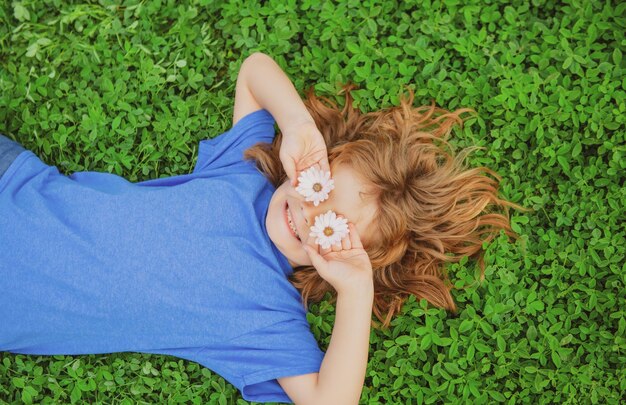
(432, 209)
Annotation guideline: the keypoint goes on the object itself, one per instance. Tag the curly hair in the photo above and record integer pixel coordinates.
(431, 208)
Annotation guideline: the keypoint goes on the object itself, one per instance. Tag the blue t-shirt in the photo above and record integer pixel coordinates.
(91, 263)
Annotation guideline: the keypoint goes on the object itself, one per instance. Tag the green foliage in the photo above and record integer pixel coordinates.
(132, 90)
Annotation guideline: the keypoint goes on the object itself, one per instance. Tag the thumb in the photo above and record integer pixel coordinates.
(290, 170)
(325, 165)
(316, 259)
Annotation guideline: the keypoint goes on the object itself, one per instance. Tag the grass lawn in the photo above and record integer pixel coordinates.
(131, 90)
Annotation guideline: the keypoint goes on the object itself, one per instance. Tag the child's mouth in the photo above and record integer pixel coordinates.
(287, 215)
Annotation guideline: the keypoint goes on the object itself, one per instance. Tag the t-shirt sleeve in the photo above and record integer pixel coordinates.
(227, 149)
(252, 362)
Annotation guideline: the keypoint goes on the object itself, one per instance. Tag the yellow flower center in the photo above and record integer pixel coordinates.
(317, 187)
(328, 231)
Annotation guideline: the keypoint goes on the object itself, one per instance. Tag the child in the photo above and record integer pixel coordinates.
(201, 266)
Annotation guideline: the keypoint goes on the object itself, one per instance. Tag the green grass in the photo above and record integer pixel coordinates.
(132, 90)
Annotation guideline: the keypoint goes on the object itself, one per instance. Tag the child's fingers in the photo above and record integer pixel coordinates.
(316, 166)
(324, 166)
(301, 167)
(312, 244)
(298, 170)
(305, 164)
(316, 257)
(345, 242)
(290, 170)
(324, 251)
(355, 240)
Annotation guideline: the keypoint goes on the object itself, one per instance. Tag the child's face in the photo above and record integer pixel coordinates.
(344, 200)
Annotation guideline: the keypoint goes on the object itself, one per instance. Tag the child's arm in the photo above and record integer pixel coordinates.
(261, 83)
(341, 375)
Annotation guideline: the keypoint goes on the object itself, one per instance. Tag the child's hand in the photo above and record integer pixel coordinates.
(346, 268)
(303, 146)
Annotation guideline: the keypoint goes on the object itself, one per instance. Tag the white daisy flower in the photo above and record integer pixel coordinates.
(315, 185)
(329, 229)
